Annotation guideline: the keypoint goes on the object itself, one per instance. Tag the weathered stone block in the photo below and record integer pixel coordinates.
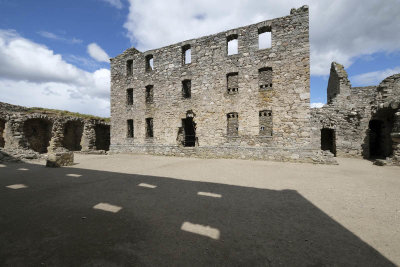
(59, 159)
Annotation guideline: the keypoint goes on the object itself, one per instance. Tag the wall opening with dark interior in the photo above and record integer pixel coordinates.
(265, 78)
(232, 81)
(73, 131)
(264, 37)
(186, 88)
(102, 137)
(328, 140)
(129, 67)
(380, 128)
(2, 130)
(265, 122)
(38, 134)
(186, 54)
(130, 129)
(129, 96)
(232, 44)
(149, 128)
(233, 124)
(149, 93)
(149, 63)
(189, 130)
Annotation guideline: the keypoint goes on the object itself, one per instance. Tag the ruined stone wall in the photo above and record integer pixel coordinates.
(351, 112)
(212, 72)
(26, 135)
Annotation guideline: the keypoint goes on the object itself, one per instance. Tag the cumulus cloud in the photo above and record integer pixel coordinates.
(114, 3)
(374, 77)
(339, 30)
(97, 53)
(317, 105)
(33, 75)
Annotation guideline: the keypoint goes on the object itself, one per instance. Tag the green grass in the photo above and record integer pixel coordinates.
(66, 113)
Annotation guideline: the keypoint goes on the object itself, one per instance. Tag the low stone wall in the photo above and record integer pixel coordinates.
(256, 153)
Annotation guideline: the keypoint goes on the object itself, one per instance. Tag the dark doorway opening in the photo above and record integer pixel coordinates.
(375, 139)
(102, 137)
(189, 127)
(380, 127)
(38, 134)
(328, 140)
(2, 127)
(73, 131)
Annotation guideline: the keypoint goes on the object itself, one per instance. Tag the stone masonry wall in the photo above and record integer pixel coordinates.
(350, 112)
(288, 71)
(29, 135)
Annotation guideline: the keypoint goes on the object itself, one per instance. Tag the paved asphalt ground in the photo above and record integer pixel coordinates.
(126, 210)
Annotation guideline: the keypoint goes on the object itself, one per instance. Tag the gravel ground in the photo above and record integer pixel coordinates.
(122, 210)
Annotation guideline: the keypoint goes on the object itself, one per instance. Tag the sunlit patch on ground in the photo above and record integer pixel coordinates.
(208, 194)
(201, 230)
(74, 175)
(147, 185)
(23, 169)
(16, 186)
(107, 207)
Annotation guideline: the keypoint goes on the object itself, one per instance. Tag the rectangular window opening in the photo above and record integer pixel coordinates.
(264, 38)
(265, 122)
(129, 67)
(130, 128)
(232, 41)
(186, 54)
(233, 124)
(186, 88)
(232, 80)
(129, 96)
(265, 78)
(149, 93)
(149, 127)
(149, 63)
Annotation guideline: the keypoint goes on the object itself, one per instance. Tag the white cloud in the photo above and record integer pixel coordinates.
(53, 36)
(373, 78)
(114, 3)
(317, 105)
(340, 30)
(97, 53)
(32, 75)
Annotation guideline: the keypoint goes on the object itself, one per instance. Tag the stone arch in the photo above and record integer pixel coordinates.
(102, 136)
(37, 132)
(73, 131)
(2, 132)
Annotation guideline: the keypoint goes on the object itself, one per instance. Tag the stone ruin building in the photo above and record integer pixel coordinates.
(222, 95)
(226, 95)
(243, 93)
(31, 133)
(359, 121)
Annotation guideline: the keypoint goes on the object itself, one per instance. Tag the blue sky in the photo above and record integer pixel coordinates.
(54, 53)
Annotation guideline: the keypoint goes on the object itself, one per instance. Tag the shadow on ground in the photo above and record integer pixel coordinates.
(52, 223)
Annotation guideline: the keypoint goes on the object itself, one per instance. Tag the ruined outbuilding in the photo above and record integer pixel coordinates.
(359, 121)
(233, 94)
(29, 133)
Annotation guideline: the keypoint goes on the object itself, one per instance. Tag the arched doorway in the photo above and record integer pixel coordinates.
(73, 131)
(189, 130)
(38, 134)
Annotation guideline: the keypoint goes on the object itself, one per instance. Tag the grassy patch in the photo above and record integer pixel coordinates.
(66, 113)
